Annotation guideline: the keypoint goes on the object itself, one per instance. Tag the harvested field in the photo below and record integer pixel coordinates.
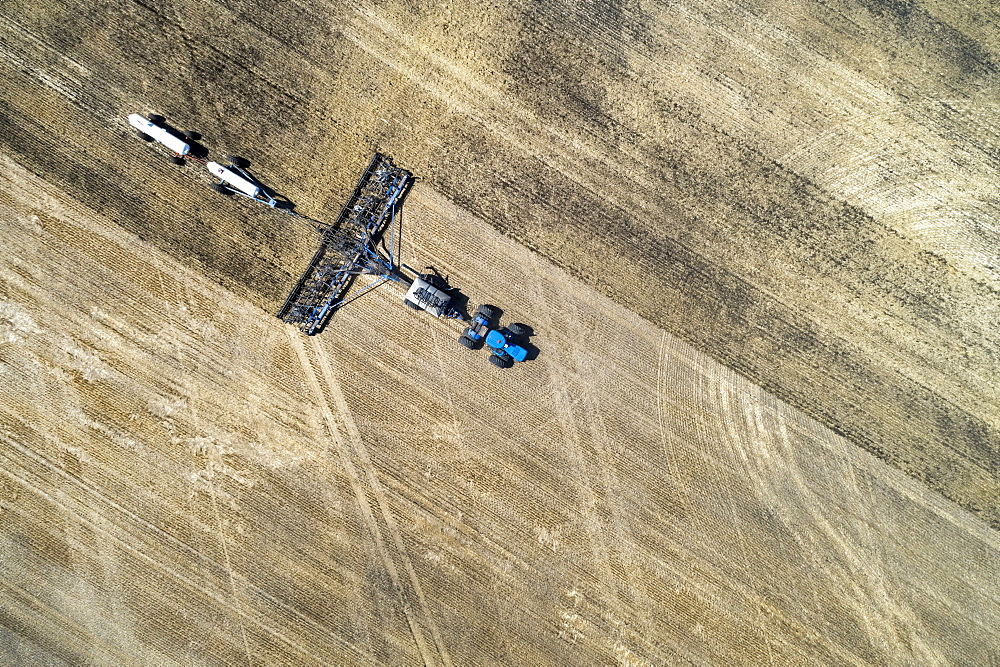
(759, 251)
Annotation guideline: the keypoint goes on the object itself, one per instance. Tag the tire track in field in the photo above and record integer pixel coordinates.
(350, 448)
(355, 439)
(87, 513)
(703, 406)
(868, 584)
(666, 350)
(614, 492)
(15, 597)
(869, 591)
(238, 602)
(565, 408)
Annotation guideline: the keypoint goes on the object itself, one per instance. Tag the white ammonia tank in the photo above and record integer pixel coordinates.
(159, 134)
(234, 180)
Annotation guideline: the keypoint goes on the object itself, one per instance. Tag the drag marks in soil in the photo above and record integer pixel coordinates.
(575, 402)
(127, 373)
(350, 448)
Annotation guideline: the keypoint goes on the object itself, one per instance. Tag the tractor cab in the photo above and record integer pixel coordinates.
(503, 343)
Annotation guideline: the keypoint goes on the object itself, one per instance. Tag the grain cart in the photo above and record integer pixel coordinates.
(431, 293)
(154, 129)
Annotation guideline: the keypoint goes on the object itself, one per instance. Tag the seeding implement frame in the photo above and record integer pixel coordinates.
(349, 248)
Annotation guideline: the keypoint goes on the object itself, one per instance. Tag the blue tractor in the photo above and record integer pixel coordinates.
(504, 343)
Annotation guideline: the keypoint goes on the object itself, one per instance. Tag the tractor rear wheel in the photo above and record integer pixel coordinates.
(487, 311)
(465, 341)
(498, 361)
(176, 159)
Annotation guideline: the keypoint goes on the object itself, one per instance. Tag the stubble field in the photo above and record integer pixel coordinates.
(763, 422)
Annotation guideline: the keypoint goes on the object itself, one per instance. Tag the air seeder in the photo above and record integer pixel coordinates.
(356, 245)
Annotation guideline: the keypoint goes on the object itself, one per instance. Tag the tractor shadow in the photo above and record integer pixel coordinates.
(460, 302)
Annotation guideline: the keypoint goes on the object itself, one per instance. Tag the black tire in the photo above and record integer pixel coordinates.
(191, 135)
(145, 137)
(517, 329)
(411, 304)
(238, 161)
(221, 189)
(465, 341)
(156, 119)
(176, 159)
(498, 361)
(487, 311)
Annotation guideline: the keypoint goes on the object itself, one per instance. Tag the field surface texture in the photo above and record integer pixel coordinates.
(759, 252)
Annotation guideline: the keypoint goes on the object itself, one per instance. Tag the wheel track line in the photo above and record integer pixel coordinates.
(444, 383)
(720, 408)
(237, 599)
(750, 594)
(346, 453)
(86, 638)
(564, 408)
(856, 560)
(357, 444)
(195, 415)
(885, 586)
(620, 526)
(223, 55)
(661, 378)
(869, 585)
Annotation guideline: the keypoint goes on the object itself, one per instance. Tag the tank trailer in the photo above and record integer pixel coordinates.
(153, 129)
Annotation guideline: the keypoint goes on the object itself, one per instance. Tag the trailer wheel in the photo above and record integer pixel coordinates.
(411, 304)
(517, 329)
(465, 341)
(221, 189)
(156, 119)
(238, 161)
(191, 135)
(145, 137)
(176, 159)
(498, 361)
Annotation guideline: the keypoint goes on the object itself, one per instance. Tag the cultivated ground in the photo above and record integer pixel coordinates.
(768, 227)
(188, 480)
